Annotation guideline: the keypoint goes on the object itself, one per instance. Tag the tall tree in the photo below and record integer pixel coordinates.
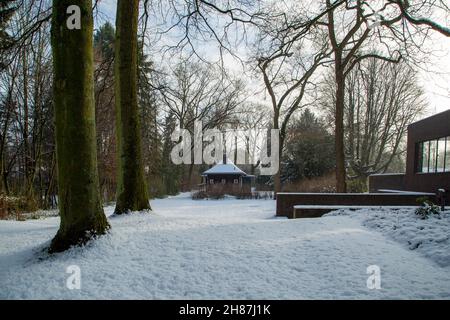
(287, 58)
(148, 113)
(131, 186)
(347, 40)
(309, 149)
(80, 207)
(356, 28)
(170, 173)
(381, 99)
(104, 110)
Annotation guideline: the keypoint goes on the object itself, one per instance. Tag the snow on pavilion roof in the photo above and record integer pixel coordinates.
(228, 168)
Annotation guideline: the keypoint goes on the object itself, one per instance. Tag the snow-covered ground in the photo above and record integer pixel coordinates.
(430, 237)
(226, 249)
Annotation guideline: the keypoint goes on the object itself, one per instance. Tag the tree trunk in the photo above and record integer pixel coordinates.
(80, 207)
(277, 176)
(191, 170)
(341, 185)
(131, 187)
(26, 151)
(277, 182)
(4, 176)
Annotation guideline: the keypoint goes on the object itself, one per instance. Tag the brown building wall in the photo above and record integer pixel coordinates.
(387, 182)
(431, 128)
(229, 187)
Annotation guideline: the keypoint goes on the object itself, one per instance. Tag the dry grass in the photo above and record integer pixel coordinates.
(324, 183)
(12, 207)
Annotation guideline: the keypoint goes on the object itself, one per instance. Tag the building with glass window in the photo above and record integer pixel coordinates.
(427, 159)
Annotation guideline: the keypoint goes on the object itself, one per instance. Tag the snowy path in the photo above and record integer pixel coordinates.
(225, 249)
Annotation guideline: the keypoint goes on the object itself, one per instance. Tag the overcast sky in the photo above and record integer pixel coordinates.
(435, 80)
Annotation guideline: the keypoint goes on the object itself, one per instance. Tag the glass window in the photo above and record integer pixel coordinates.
(211, 181)
(432, 156)
(440, 155)
(425, 151)
(223, 181)
(447, 155)
(419, 163)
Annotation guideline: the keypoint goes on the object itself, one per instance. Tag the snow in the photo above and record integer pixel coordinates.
(430, 237)
(406, 192)
(219, 249)
(346, 194)
(350, 207)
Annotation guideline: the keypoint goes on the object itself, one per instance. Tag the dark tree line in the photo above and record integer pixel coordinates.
(26, 117)
(309, 149)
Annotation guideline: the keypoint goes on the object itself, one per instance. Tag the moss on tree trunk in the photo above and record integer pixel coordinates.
(78, 188)
(131, 187)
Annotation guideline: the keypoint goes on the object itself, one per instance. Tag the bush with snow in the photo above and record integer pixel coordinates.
(427, 209)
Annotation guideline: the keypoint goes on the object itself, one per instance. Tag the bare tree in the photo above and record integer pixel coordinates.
(221, 23)
(347, 36)
(287, 58)
(356, 30)
(381, 99)
(197, 92)
(254, 118)
(27, 144)
(104, 109)
(424, 13)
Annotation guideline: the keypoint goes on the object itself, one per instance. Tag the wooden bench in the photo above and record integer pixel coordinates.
(316, 211)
